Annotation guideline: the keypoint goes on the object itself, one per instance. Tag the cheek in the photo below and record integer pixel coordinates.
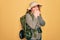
(33, 9)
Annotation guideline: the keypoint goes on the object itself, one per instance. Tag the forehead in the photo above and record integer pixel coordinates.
(35, 7)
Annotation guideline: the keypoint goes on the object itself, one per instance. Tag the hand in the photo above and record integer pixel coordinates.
(36, 13)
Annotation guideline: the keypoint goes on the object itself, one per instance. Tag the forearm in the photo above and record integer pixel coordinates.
(41, 21)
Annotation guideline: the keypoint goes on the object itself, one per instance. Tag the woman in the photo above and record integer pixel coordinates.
(35, 20)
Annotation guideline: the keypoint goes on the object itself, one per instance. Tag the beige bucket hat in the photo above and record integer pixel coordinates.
(32, 4)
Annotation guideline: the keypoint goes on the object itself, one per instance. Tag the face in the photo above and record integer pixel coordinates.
(35, 8)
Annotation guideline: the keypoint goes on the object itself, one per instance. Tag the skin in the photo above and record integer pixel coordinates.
(36, 11)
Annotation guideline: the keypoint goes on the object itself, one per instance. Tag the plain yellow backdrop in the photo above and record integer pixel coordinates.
(12, 10)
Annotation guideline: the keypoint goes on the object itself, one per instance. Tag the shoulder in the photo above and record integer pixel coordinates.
(28, 15)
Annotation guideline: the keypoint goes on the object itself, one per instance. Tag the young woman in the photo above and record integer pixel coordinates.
(35, 20)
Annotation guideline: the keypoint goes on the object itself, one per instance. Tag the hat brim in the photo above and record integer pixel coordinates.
(29, 8)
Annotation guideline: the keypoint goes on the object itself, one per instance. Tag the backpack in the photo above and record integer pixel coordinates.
(26, 28)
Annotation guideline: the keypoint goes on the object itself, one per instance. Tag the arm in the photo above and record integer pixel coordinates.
(30, 22)
(41, 21)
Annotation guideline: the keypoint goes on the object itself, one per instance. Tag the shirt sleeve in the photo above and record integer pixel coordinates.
(41, 21)
(30, 22)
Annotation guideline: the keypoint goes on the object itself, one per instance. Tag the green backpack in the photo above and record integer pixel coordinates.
(26, 28)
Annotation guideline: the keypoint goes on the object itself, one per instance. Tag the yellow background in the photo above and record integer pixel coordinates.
(12, 10)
